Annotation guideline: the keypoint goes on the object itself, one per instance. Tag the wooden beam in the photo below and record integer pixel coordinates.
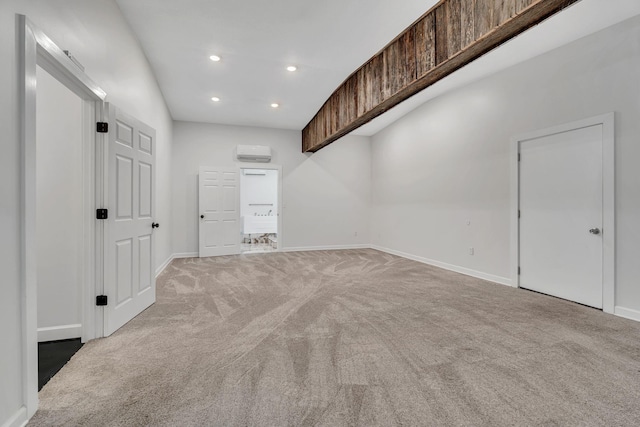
(449, 36)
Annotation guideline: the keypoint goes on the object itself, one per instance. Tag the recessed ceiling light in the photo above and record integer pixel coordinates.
(275, 105)
(215, 99)
(292, 68)
(214, 58)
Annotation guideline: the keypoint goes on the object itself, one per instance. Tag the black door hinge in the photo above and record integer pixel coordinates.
(102, 127)
(519, 158)
(102, 213)
(101, 300)
(518, 270)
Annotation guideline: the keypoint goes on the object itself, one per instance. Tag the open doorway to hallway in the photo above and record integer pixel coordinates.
(60, 232)
(38, 50)
(259, 210)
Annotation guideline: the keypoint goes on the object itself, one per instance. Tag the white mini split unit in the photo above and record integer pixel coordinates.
(254, 153)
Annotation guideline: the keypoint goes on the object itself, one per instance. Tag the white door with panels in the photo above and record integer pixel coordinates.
(219, 210)
(129, 273)
(561, 215)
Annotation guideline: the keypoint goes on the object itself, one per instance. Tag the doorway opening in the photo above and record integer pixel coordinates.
(60, 230)
(39, 50)
(259, 209)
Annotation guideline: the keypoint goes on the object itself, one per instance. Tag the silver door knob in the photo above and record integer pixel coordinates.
(594, 231)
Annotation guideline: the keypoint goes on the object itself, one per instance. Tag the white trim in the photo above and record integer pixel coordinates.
(18, 419)
(101, 227)
(627, 313)
(27, 100)
(164, 265)
(514, 219)
(59, 65)
(57, 333)
(455, 268)
(89, 238)
(38, 49)
(608, 213)
(325, 248)
(185, 255)
(294, 249)
(170, 259)
(607, 121)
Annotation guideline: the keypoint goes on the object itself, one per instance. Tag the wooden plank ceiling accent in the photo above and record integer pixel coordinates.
(449, 36)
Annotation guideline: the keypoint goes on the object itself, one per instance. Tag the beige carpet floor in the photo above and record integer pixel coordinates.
(349, 338)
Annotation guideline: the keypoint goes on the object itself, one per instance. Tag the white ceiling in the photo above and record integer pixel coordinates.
(327, 40)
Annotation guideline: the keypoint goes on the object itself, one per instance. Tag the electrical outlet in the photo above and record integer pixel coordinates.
(470, 251)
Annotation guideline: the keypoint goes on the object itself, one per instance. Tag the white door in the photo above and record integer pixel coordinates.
(129, 274)
(219, 207)
(561, 215)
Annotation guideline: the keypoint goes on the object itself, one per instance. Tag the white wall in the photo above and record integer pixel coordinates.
(448, 161)
(98, 36)
(326, 196)
(59, 219)
(259, 193)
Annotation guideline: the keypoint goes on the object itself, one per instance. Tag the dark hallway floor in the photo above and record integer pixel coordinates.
(52, 356)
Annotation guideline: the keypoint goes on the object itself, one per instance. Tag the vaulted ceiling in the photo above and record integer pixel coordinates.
(326, 40)
(256, 40)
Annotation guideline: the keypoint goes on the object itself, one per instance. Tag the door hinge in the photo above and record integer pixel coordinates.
(102, 127)
(518, 213)
(518, 271)
(102, 213)
(519, 157)
(101, 300)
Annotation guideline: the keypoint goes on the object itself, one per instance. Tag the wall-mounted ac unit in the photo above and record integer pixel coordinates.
(253, 153)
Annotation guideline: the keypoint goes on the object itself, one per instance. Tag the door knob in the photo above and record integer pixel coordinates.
(155, 225)
(594, 231)
(201, 216)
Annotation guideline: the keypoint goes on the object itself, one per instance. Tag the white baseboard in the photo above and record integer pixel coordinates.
(164, 265)
(324, 248)
(462, 270)
(57, 333)
(627, 313)
(186, 255)
(19, 419)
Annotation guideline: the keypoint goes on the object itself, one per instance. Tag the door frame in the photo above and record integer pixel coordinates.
(37, 49)
(607, 121)
(267, 166)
